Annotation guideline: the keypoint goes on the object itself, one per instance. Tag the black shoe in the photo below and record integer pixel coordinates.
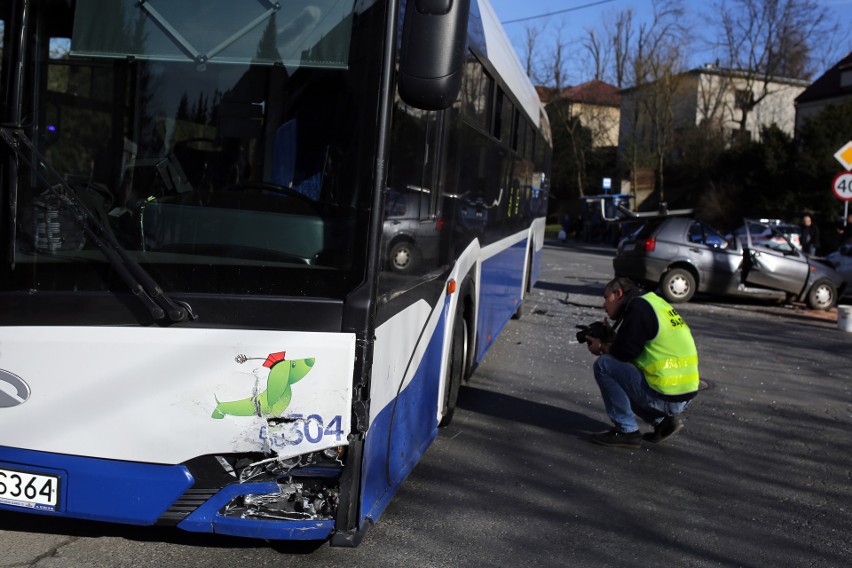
(668, 427)
(618, 439)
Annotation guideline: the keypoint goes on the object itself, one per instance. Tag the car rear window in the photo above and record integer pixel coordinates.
(646, 230)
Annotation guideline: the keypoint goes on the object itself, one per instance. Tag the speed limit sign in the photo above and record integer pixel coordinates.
(842, 186)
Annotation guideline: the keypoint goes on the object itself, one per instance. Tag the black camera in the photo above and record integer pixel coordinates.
(597, 329)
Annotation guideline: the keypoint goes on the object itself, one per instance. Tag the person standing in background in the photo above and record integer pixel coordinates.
(845, 231)
(809, 237)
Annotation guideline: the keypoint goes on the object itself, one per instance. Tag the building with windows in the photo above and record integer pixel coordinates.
(595, 104)
(734, 102)
(831, 88)
(685, 112)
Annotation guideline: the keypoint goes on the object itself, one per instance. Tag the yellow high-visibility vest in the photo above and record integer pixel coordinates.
(670, 360)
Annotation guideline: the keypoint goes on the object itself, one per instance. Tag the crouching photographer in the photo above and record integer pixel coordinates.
(648, 365)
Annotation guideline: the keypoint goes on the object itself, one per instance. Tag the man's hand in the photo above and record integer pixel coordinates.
(596, 346)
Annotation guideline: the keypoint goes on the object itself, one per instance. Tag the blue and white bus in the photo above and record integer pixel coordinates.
(250, 250)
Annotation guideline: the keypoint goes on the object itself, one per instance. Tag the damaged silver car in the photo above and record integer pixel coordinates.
(683, 255)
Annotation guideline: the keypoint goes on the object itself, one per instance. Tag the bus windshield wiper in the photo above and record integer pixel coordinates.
(143, 286)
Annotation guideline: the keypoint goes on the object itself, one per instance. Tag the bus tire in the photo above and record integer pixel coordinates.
(519, 313)
(456, 370)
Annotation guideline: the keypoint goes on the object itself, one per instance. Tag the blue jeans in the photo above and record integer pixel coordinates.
(626, 395)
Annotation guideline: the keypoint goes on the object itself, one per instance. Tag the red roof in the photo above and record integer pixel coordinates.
(593, 92)
(546, 94)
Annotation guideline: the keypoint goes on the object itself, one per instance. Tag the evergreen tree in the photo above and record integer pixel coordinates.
(818, 140)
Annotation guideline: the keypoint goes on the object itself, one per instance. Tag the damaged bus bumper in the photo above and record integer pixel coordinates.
(299, 505)
(261, 510)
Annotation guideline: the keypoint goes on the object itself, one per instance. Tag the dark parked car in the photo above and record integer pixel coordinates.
(410, 235)
(841, 260)
(684, 255)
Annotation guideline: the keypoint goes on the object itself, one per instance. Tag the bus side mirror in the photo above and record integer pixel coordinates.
(434, 36)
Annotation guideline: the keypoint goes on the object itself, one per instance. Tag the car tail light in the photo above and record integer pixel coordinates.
(650, 244)
(439, 224)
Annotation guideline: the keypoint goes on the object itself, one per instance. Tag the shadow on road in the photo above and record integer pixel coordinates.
(532, 413)
(77, 528)
(591, 288)
(600, 249)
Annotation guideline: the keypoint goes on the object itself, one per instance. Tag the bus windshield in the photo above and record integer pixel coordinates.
(226, 144)
(296, 33)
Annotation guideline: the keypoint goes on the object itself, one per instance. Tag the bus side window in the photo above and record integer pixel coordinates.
(412, 226)
(504, 112)
(476, 95)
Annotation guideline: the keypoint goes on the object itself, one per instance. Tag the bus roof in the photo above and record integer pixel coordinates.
(502, 56)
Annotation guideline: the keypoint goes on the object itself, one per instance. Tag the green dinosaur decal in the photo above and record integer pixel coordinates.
(276, 398)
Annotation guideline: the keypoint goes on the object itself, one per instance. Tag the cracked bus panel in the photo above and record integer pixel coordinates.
(284, 429)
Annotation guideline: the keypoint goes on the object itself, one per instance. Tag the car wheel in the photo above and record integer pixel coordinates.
(822, 295)
(402, 257)
(678, 285)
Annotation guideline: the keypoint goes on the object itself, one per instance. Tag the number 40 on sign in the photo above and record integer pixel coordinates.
(842, 186)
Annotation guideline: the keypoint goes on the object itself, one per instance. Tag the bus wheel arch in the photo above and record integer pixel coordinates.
(526, 286)
(468, 300)
(461, 352)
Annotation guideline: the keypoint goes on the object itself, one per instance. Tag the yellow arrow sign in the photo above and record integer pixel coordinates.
(844, 156)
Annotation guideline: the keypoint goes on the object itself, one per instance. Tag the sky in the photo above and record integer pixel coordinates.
(582, 14)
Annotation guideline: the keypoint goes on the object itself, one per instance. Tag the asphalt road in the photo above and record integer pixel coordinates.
(760, 477)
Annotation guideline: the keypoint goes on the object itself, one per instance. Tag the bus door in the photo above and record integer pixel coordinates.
(409, 333)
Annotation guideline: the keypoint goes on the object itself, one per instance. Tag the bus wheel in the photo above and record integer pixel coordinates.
(455, 373)
(519, 313)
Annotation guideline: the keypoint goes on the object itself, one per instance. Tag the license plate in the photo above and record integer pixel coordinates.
(31, 490)
(629, 247)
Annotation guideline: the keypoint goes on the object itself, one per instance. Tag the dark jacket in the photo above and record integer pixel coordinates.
(846, 235)
(809, 238)
(635, 324)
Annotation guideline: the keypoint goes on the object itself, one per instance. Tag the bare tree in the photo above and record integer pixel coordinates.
(621, 40)
(532, 34)
(763, 40)
(599, 50)
(608, 46)
(656, 61)
(555, 67)
(581, 125)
